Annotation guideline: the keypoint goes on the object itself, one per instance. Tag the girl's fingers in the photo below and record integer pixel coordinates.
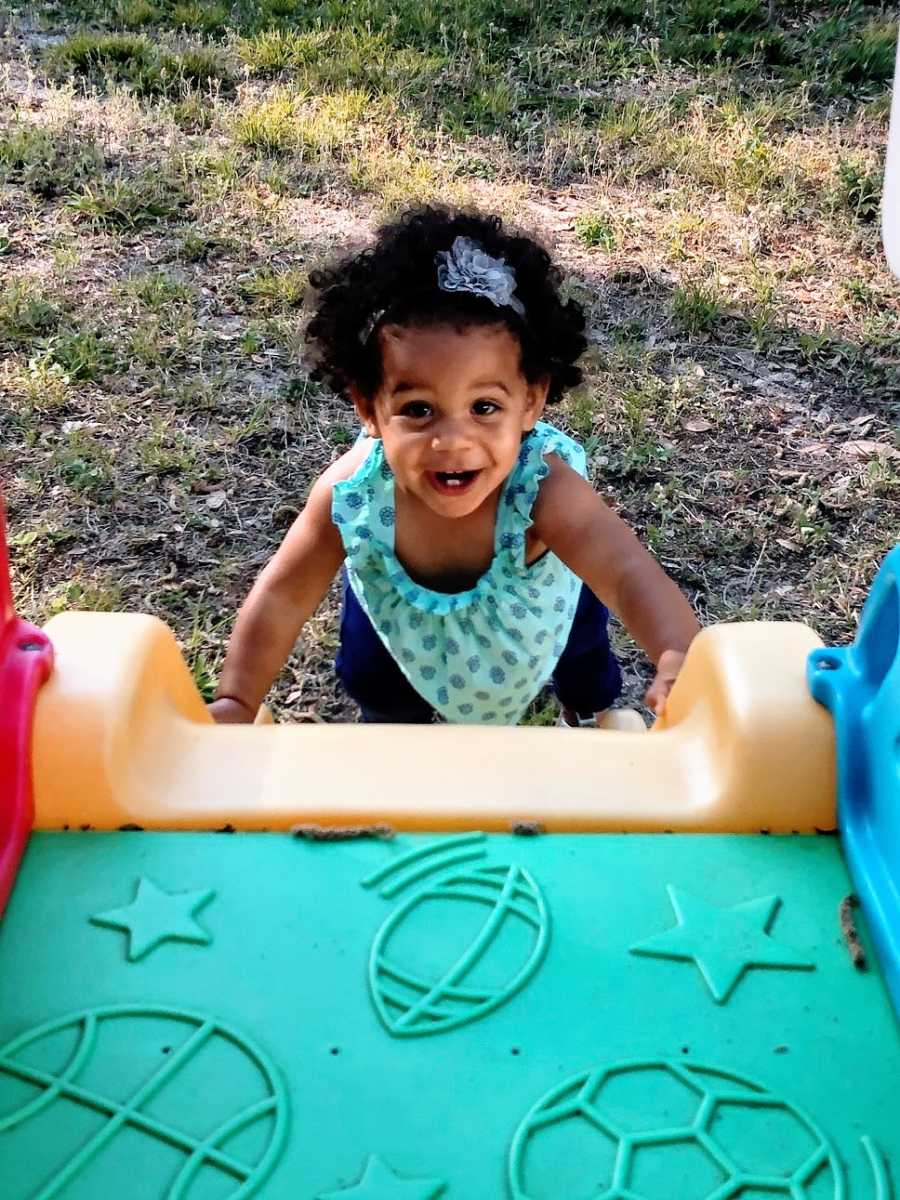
(655, 697)
(658, 691)
(670, 664)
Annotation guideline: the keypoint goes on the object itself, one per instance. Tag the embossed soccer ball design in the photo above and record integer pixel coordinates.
(131, 1101)
(457, 949)
(660, 1130)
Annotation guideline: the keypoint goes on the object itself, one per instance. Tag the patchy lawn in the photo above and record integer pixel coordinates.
(708, 175)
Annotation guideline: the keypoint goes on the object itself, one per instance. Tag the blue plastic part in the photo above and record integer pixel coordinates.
(860, 684)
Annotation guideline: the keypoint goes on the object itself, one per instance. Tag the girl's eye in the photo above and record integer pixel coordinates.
(485, 408)
(417, 409)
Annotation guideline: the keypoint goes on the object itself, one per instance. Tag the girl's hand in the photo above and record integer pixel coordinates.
(228, 711)
(670, 663)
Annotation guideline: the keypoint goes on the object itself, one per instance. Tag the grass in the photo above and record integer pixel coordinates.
(595, 230)
(269, 126)
(697, 307)
(82, 355)
(270, 289)
(26, 313)
(859, 189)
(46, 160)
(158, 291)
(38, 385)
(85, 465)
(147, 67)
(864, 59)
(380, 42)
(121, 203)
(84, 594)
(708, 175)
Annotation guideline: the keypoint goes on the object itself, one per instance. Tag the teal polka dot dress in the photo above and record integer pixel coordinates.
(479, 656)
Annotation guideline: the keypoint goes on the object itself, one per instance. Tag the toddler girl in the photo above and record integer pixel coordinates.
(477, 560)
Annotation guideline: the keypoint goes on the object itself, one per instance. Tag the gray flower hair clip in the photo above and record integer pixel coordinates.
(467, 267)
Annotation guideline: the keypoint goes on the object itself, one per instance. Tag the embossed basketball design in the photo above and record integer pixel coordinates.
(137, 1103)
(663, 1130)
(457, 949)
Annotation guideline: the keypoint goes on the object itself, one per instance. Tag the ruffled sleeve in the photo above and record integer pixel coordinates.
(362, 508)
(524, 484)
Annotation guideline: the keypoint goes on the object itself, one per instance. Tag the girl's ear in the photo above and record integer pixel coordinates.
(535, 402)
(365, 410)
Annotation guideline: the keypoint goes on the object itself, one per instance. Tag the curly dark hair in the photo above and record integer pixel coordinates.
(397, 278)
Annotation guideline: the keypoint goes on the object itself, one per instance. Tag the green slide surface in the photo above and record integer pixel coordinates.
(192, 1016)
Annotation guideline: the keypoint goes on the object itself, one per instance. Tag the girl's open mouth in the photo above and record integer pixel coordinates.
(452, 483)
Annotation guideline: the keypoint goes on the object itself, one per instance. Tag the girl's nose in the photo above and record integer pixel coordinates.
(450, 435)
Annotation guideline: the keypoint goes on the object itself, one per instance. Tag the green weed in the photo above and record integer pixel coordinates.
(135, 14)
(41, 383)
(166, 451)
(124, 203)
(86, 466)
(543, 712)
(199, 67)
(275, 50)
(204, 650)
(218, 173)
(192, 112)
(697, 307)
(272, 289)
(134, 60)
(28, 541)
(860, 294)
(158, 291)
(195, 246)
(325, 60)
(859, 189)
(120, 56)
(164, 339)
(269, 126)
(714, 31)
(82, 355)
(48, 162)
(252, 341)
(84, 594)
(460, 62)
(26, 313)
(881, 479)
(581, 410)
(200, 18)
(762, 313)
(867, 59)
(594, 230)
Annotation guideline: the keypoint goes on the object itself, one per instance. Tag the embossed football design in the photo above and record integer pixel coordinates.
(137, 1101)
(658, 1130)
(457, 949)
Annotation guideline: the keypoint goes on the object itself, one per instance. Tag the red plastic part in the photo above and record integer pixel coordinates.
(26, 660)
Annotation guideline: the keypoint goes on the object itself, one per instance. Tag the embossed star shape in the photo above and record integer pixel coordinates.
(380, 1183)
(155, 916)
(723, 942)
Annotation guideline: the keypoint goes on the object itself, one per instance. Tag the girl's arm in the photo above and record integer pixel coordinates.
(572, 520)
(287, 592)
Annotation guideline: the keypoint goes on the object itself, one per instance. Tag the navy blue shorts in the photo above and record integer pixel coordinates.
(587, 678)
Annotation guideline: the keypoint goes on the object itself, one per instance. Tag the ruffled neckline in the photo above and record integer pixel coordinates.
(514, 517)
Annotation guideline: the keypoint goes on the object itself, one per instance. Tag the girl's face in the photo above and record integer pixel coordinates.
(451, 411)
